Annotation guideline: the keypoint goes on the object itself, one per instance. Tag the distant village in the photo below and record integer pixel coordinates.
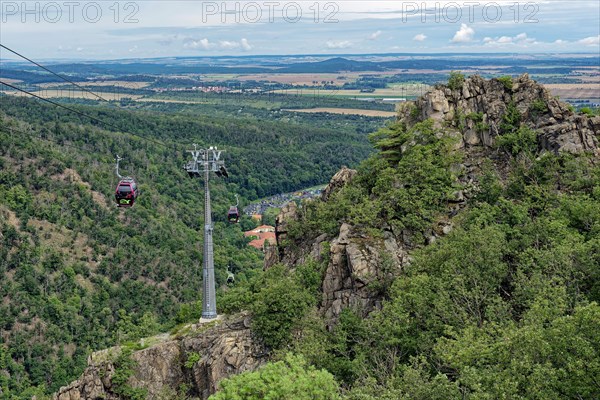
(266, 233)
(279, 201)
(260, 235)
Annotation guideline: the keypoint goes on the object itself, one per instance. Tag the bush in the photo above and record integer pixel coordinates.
(291, 378)
(538, 107)
(278, 307)
(523, 140)
(511, 120)
(456, 80)
(507, 81)
(587, 111)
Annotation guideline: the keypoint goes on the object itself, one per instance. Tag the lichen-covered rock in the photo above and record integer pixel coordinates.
(225, 349)
(292, 255)
(358, 266)
(558, 128)
(288, 213)
(228, 350)
(338, 181)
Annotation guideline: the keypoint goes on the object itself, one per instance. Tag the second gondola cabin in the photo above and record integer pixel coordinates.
(233, 215)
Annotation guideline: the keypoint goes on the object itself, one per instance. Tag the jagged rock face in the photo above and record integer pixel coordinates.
(229, 352)
(339, 180)
(224, 350)
(357, 268)
(288, 214)
(357, 265)
(559, 129)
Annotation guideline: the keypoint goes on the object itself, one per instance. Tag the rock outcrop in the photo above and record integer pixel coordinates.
(357, 265)
(223, 349)
(339, 180)
(358, 270)
(559, 128)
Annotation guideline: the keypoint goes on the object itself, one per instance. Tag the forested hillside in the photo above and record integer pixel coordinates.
(77, 274)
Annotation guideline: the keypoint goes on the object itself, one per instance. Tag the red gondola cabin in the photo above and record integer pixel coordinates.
(233, 215)
(126, 193)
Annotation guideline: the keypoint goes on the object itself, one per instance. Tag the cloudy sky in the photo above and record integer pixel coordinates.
(154, 28)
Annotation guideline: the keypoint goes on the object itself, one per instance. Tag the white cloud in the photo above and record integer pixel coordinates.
(560, 41)
(521, 36)
(464, 34)
(203, 44)
(339, 44)
(228, 45)
(245, 45)
(521, 39)
(420, 37)
(590, 41)
(374, 35)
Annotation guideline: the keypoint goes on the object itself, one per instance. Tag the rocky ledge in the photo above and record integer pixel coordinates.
(193, 363)
(559, 128)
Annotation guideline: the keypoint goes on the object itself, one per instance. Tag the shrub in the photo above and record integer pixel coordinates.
(538, 107)
(278, 307)
(291, 378)
(507, 81)
(511, 120)
(587, 111)
(523, 140)
(456, 80)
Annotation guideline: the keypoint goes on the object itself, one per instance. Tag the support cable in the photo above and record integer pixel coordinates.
(53, 73)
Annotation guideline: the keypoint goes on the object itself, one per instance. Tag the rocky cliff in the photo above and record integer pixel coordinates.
(359, 265)
(189, 364)
(458, 109)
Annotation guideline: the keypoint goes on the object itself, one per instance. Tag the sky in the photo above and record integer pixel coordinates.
(94, 30)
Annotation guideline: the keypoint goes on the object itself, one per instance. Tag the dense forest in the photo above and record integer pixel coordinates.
(77, 274)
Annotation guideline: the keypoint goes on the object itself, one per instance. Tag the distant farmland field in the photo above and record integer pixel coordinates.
(124, 84)
(368, 113)
(575, 90)
(79, 94)
(399, 91)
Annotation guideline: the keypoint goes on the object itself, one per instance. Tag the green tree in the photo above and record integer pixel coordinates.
(456, 80)
(292, 378)
(278, 307)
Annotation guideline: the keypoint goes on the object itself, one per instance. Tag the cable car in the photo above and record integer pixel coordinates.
(127, 190)
(233, 215)
(230, 277)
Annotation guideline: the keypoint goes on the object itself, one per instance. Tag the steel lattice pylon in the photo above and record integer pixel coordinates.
(206, 161)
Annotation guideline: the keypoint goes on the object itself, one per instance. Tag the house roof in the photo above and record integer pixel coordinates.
(263, 236)
(259, 229)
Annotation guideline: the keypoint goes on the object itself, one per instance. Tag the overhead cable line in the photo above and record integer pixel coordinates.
(82, 114)
(53, 73)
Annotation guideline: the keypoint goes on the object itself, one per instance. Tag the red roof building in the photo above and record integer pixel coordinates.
(260, 235)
